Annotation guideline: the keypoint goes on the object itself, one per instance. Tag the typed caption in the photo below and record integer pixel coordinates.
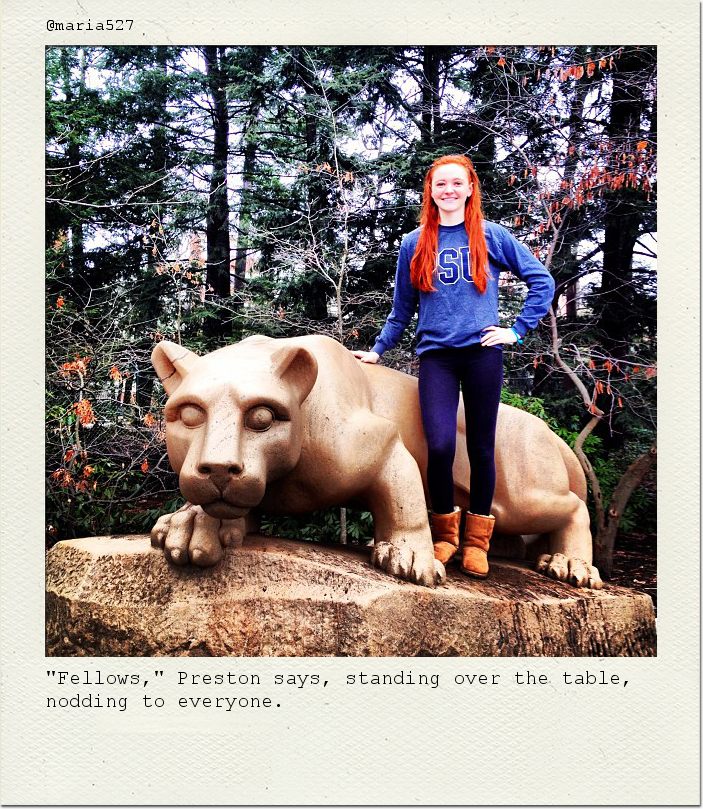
(233, 691)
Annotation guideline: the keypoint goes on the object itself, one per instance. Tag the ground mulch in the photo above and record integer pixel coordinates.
(635, 563)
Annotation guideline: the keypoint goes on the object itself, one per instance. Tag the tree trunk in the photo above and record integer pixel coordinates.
(623, 218)
(156, 245)
(431, 127)
(571, 231)
(75, 171)
(604, 543)
(217, 221)
(159, 167)
(244, 224)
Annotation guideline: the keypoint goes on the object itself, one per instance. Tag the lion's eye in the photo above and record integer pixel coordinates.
(259, 419)
(192, 415)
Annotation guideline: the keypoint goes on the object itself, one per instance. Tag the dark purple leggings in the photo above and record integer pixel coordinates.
(479, 372)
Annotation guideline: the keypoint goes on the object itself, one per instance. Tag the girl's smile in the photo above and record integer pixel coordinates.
(450, 190)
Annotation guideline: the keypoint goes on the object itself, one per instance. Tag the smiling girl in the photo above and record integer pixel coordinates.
(449, 267)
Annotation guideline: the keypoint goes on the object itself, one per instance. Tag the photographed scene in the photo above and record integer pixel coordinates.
(351, 351)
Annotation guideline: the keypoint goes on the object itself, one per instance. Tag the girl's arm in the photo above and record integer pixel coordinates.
(405, 300)
(516, 257)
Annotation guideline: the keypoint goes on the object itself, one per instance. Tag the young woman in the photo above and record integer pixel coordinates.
(449, 266)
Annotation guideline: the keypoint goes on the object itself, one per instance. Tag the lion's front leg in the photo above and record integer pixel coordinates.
(402, 538)
(190, 535)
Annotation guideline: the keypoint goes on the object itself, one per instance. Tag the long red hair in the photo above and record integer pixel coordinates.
(423, 262)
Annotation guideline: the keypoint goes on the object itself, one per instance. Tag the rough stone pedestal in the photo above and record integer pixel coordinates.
(118, 596)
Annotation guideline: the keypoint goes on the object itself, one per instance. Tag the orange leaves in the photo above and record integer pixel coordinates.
(80, 484)
(77, 367)
(591, 365)
(590, 69)
(115, 373)
(145, 466)
(60, 242)
(650, 372)
(149, 420)
(84, 411)
(60, 302)
(512, 179)
(501, 61)
(63, 477)
(574, 71)
(641, 145)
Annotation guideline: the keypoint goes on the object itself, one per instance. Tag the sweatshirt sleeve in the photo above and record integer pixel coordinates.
(519, 260)
(405, 300)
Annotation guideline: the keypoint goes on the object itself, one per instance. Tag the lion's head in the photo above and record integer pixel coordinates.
(233, 419)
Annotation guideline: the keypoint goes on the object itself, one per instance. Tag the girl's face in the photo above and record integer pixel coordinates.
(450, 190)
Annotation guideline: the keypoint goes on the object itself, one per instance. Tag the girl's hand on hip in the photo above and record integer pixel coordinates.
(366, 356)
(495, 336)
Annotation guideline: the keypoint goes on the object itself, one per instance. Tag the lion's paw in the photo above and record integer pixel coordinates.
(569, 569)
(190, 535)
(232, 533)
(406, 563)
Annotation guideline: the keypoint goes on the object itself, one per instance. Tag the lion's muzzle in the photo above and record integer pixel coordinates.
(225, 492)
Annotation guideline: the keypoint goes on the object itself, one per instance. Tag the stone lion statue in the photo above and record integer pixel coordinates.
(293, 425)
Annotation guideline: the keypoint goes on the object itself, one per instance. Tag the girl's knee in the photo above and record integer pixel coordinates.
(441, 453)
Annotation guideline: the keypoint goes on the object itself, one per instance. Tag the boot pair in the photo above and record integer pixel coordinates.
(474, 547)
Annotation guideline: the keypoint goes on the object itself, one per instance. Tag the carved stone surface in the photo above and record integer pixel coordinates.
(273, 597)
(294, 425)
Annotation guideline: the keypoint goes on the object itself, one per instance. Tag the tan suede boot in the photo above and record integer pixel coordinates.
(445, 534)
(474, 548)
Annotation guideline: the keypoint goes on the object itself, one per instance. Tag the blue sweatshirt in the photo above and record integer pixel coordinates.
(455, 315)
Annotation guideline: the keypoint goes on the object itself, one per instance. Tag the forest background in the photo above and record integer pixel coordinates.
(203, 194)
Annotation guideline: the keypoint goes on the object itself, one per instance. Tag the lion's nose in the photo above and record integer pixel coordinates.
(220, 474)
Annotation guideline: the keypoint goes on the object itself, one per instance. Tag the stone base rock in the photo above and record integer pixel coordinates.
(118, 596)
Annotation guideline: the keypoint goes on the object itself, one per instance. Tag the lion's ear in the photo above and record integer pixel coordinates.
(297, 367)
(172, 363)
